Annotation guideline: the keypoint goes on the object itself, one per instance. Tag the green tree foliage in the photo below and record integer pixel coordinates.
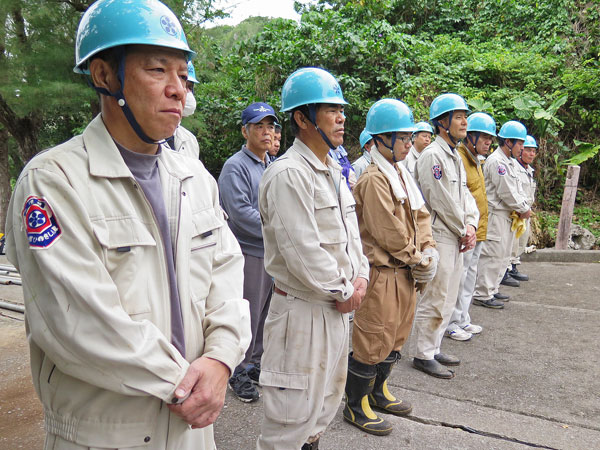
(527, 60)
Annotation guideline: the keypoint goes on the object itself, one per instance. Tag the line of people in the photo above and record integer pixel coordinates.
(424, 223)
(149, 287)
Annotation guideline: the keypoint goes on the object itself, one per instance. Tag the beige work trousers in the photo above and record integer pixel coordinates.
(494, 258)
(519, 245)
(171, 433)
(383, 321)
(436, 305)
(303, 370)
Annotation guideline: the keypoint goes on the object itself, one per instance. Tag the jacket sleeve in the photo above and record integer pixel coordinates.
(291, 214)
(72, 304)
(506, 187)
(226, 325)
(388, 230)
(439, 199)
(235, 190)
(424, 224)
(472, 212)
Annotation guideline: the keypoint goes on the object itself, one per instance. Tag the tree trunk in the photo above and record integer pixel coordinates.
(4, 178)
(25, 130)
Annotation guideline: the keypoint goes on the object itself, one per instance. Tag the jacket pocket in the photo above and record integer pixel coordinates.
(129, 248)
(205, 232)
(286, 401)
(328, 218)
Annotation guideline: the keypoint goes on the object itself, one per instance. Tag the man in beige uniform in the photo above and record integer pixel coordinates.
(126, 353)
(314, 254)
(528, 185)
(421, 138)
(504, 197)
(454, 218)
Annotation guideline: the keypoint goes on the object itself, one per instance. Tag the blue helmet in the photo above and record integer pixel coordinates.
(308, 86)
(481, 122)
(364, 138)
(513, 130)
(530, 142)
(192, 73)
(113, 23)
(389, 115)
(445, 103)
(423, 126)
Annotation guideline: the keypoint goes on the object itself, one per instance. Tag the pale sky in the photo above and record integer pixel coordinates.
(242, 9)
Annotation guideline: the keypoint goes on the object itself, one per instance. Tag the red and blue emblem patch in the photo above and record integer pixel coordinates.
(437, 172)
(501, 169)
(42, 228)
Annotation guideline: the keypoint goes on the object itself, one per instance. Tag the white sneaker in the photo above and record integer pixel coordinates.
(459, 335)
(473, 329)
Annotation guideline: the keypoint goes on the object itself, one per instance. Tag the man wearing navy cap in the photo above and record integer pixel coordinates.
(238, 184)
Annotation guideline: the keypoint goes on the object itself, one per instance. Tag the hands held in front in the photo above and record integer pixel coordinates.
(206, 383)
(427, 268)
(525, 215)
(469, 240)
(360, 289)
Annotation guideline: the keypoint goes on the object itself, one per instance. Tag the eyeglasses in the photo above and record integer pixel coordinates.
(404, 139)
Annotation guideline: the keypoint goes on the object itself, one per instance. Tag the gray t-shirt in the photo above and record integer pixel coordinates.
(145, 171)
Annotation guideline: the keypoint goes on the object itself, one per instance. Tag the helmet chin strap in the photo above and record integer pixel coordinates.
(123, 103)
(312, 117)
(389, 147)
(477, 135)
(438, 123)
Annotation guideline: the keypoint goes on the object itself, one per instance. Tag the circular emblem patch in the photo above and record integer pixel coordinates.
(501, 169)
(169, 26)
(437, 172)
(40, 223)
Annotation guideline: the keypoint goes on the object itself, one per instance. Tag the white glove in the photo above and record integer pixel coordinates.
(426, 269)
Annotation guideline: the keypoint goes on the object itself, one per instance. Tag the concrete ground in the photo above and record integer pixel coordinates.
(531, 379)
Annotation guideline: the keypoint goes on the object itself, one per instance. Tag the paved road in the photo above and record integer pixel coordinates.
(531, 379)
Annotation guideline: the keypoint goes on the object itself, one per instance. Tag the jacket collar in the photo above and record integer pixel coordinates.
(302, 149)
(442, 143)
(465, 150)
(255, 158)
(105, 160)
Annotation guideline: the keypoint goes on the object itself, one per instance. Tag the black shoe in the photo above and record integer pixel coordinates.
(433, 368)
(514, 273)
(254, 372)
(447, 360)
(501, 297)
(507, 280)
(491, 303)
(242, 387)
(311, 446)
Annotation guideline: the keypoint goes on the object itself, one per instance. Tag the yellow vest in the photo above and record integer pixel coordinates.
(476, 184)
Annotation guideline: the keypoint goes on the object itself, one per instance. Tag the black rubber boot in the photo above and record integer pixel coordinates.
(507, 280)
(514, 272)
(381, 398)
(358, 412)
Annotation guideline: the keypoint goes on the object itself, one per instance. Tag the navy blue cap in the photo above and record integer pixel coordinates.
(257, 112)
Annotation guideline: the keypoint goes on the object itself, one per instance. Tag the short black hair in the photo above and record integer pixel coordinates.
(436, 127)
(293, 125)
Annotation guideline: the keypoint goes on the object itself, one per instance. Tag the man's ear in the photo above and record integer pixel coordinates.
(244, 132)
(103, 75)
(300, 120)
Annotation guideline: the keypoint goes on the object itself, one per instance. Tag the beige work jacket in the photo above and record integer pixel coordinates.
(443, 181)
(186, 143)
(97, 291)
(476, 185)
(392, 233)
(502, 185)
(527, 181)
(310, 230)
(411, 160)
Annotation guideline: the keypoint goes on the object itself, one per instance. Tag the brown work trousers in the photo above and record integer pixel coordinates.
(383, 321)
